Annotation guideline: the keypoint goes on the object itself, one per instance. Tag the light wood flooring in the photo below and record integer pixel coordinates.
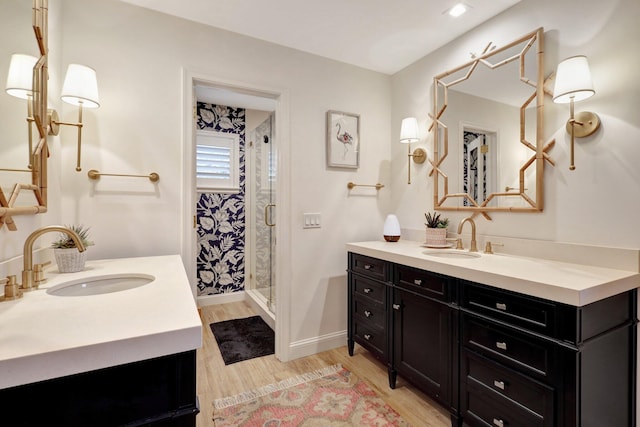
(215, 380)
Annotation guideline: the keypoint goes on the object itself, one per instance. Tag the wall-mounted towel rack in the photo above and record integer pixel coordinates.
(351, 185)
(94, 174)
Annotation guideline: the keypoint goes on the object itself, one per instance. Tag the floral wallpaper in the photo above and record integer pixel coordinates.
(221, 217)
(476, 182)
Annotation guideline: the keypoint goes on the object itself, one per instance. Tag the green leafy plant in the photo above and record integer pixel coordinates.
(435, 221)
(65, 242)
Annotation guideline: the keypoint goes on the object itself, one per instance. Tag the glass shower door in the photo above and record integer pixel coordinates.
(263, 180)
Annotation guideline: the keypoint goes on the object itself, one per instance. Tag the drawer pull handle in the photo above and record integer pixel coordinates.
(499, 384)
(498, 423)
(367, 290)
(367, 267)
(501, 306)
(501, 345)
(396, 306)
(417, 282)
(367, 313)
(367, 337)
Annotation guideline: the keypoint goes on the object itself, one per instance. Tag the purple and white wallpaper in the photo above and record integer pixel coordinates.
(221, 217)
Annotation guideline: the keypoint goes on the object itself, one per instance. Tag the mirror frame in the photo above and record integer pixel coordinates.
(539, 149)
(9, 207)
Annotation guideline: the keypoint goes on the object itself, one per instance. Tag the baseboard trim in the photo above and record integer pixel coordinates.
(317, 344)
(206, 300)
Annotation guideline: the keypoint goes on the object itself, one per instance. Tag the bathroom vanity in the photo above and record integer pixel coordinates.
(499, 340)
(110, 357)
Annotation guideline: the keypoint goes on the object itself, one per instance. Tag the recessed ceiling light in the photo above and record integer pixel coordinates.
(457, 10)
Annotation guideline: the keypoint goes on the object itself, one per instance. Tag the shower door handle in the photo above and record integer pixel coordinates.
(266, 211)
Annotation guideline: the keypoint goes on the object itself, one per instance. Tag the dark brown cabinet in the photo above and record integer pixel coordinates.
(534, 362)
(159, 392)
(368, 305)
(496, 358)
(421, 313)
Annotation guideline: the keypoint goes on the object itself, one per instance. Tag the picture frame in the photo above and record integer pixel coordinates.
(343, 140)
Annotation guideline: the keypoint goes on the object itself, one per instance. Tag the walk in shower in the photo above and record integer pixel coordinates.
(261, 201)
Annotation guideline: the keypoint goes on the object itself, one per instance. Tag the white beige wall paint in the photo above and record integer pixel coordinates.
(597, 203)
(139, 56)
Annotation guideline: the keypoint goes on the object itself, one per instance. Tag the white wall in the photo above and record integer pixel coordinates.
(598, 203)
(139, 56)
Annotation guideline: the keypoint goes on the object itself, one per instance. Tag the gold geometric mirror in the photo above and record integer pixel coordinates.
(31, 198)
(489, 150)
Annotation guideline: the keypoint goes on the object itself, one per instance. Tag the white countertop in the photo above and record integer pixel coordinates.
(568, 283)
(43, 336)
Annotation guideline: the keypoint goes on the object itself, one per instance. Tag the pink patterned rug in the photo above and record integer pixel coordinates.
(328, 397)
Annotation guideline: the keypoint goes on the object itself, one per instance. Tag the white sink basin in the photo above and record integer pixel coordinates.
(452, 254)
(100, 285)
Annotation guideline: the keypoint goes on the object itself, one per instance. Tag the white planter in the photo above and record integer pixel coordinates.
(70, 260)
(436, 237)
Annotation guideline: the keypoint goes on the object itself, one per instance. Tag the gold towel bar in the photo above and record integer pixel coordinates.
(351, 185)
(94, 174)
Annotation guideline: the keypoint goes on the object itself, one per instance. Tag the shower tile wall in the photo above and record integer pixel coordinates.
(221, 217)
(264, 262)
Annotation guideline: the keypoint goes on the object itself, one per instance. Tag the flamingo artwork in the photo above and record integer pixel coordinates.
(345, 138)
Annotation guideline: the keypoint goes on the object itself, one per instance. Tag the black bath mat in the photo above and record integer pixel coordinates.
(243, 339)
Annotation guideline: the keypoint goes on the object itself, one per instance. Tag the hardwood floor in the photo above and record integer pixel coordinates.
(215, 380)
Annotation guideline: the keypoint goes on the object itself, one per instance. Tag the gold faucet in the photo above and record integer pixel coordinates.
(474, 246)
(27, 272)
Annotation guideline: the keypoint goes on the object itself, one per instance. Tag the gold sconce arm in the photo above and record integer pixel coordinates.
(54, 129)
(580, 125)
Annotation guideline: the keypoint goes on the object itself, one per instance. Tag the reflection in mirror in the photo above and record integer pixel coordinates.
(23, 171)
(489, 132)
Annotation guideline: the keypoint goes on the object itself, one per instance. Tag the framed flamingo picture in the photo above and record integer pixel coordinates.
(343, 140)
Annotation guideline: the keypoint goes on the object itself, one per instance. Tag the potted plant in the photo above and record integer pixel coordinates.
(436, 229)
(68, 258)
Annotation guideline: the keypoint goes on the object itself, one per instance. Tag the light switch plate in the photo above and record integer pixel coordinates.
(311, 220)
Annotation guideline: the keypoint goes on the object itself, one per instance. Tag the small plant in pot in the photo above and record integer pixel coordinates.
(68, 258)
(436, 229)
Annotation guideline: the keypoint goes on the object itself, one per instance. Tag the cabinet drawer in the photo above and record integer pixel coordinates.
(517, 349)
(370, 267)
(423, 282)
(488, 409)
(369, 288)
(485, 376)
(521, 310)
(369, 312)
(372, 338)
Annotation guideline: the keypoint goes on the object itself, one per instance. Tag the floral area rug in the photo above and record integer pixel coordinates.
(332, 397)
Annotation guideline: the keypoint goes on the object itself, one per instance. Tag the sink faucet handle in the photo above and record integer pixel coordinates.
(38, 273)
(459, 243)
(487, 248)
(11, 290)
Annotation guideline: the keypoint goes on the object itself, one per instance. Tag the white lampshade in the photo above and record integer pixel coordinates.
(391, 230)
(409, 130)
(20, 78)
(573, 80)
(80, 86)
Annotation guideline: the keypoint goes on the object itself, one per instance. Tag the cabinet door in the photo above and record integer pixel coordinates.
(423, 340)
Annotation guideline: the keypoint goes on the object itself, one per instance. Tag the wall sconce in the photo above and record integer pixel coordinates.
(573, 83)
(409, 134)
(19, 84)
(80, 88)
